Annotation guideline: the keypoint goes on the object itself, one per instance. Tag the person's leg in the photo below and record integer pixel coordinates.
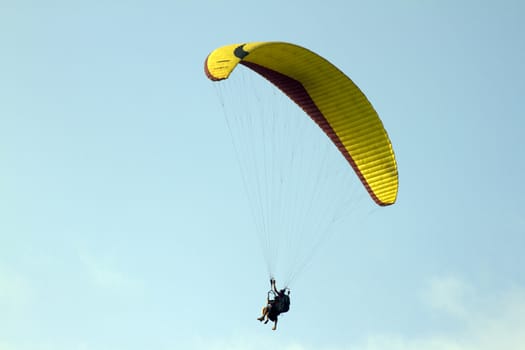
(275, 325)
(264, 313)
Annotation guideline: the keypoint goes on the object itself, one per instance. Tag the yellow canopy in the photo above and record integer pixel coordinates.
(330, 98)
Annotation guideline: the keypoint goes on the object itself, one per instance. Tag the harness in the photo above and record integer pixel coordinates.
(278, 304)
(272, 295)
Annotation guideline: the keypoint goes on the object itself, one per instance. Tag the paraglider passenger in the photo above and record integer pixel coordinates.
(279, 303)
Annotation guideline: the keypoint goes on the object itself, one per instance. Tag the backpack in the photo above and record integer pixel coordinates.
(284, 303)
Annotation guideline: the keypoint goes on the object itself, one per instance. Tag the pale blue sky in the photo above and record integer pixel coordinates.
(123, 222)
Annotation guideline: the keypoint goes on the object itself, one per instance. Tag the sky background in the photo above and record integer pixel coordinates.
(123, 221)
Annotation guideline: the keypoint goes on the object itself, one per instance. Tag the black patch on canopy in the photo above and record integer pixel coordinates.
(239, 52)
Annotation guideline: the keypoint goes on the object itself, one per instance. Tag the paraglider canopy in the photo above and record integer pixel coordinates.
(330, 98)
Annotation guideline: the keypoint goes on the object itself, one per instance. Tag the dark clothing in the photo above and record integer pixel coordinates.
(272, 313)
(280, 304)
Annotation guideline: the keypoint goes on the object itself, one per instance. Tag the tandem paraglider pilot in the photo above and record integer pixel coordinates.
(277, 302)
